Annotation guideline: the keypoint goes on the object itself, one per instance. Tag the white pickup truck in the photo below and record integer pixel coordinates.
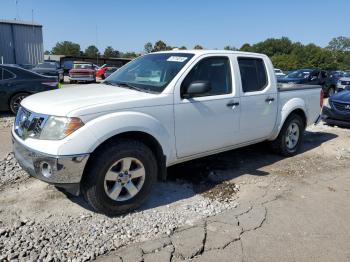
(112, 141)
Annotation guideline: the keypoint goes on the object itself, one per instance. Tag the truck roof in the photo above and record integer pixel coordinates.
(205, 51)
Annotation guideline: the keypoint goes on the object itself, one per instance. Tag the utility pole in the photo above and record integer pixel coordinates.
(96, 45)
(17, 12)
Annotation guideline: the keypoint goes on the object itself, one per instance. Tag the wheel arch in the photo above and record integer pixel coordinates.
(295, 106)
(143, 137)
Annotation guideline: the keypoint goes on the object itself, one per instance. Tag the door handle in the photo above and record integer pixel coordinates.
(232, 104)
(269, 100)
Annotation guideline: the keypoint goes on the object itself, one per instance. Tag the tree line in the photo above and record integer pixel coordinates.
(284, 53)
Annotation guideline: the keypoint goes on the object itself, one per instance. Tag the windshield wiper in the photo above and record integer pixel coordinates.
(123, 84)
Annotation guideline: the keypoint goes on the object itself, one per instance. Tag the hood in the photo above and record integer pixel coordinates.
(342, 96)
(86, 99)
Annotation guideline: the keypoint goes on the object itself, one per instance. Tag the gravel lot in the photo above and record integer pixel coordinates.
(39, 222)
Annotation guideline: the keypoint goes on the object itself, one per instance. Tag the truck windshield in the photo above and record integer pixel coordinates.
(150, 73)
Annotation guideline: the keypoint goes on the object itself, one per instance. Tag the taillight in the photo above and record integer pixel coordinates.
(321, 98)
(53, 84)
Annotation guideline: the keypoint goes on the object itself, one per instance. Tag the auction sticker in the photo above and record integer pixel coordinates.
(177, 59)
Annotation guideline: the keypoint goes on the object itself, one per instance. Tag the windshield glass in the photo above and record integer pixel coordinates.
(299, 74)
(46, 65)
(82, 66)
(152, 72)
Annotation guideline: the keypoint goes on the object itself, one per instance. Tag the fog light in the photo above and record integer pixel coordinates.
(45, 169)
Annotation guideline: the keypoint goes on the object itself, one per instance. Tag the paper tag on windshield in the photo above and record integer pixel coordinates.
(177, 59)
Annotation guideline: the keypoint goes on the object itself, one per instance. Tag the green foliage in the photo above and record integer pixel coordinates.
(148, 47)
(340, 43)
(198, 47)
(161, 46)
(91, 51)
(66, 48)
(230, 48)
(129, 55)
(288, 55)
(110, 52)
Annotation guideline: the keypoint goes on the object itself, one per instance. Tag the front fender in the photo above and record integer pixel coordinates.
(109, 125)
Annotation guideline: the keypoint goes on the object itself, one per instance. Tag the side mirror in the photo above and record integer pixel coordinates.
(196, 88)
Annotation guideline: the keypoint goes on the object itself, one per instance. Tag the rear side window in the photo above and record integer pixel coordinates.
(215, 70)
(5, 75)
(253, 74)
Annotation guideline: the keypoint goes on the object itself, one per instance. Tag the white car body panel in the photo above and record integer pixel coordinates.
(185, 128)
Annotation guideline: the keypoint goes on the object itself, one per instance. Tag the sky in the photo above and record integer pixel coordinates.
(127, 25)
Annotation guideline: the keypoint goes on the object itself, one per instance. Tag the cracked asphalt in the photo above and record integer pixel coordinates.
(302, 215)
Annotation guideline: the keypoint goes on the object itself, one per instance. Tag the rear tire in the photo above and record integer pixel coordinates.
(290, 137)
(112, 188)
(16, 100)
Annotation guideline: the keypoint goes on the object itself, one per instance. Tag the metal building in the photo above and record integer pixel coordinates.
(21, 42)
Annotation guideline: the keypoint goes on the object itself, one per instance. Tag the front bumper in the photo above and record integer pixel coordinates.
(81, 78)
(61, 171)
(333, 118)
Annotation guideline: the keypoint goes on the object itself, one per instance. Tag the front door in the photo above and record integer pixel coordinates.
(209, 121)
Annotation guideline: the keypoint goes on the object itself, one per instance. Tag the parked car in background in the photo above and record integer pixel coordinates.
(307, 77)
(279, 73)
(50, 68)
(336, 111)
(100, 72)
(343, 82)
(330, 87)
(26, 66)
(17, 83)
(113, 140)
(110, 71)
(82, 72)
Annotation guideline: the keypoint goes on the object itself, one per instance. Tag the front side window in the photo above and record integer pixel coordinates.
(150, 73)
(216, 71)
(253, 74)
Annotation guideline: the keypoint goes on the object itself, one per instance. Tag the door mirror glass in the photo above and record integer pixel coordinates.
(197, 88)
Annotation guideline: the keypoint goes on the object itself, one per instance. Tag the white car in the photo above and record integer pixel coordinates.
(344, 82)
(279, 73)
(112, 141)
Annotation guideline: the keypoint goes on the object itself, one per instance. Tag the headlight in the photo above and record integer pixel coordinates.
(57, 127)
(326, 103)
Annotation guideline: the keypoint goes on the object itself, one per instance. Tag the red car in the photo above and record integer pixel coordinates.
(82, 72)
(100, 72)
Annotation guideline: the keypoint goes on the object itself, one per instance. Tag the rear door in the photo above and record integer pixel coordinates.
(258, 99)
(210, 121)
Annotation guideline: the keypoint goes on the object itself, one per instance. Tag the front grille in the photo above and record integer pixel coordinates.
(29, 124)
(345, 107)
(345, 83)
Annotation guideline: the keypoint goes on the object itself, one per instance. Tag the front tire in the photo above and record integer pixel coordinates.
(119, 177)
(16, 100)
(289, 139)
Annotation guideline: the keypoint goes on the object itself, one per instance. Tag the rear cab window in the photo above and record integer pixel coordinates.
(253, 74)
